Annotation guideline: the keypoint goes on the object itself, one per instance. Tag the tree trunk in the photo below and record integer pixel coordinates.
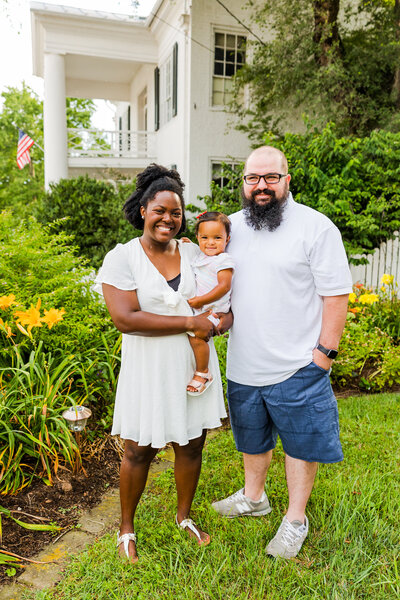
(396, 82)
(326, 32)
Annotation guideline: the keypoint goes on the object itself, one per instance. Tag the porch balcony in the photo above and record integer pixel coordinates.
(105, 149)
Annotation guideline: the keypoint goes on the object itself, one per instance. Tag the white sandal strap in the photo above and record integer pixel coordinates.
(125, 538)
(196, 384)
(190, 525)
(207, 375)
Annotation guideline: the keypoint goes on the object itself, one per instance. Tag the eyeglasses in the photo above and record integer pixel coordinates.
(253, 179)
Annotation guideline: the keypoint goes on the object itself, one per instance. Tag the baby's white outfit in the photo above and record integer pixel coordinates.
(152, 405)
(206, 270)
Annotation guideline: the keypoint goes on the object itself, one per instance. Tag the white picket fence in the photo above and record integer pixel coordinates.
(385, 259)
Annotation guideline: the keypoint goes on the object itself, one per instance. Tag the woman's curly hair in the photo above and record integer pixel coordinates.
(154, 179)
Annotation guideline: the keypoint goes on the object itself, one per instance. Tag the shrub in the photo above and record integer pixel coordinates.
(91, 211)
(37, 263)
(41, 271)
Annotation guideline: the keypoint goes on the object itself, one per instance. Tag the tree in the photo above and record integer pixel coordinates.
(330, 60)
(23, 189)
(20, 187)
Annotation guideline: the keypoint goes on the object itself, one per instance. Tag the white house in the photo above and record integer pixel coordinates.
(171, 78)
(170, 75)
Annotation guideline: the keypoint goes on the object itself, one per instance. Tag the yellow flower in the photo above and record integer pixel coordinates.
(6, 301)
(387, 279)
(368, 298)
(53, 316)
(30, 317)
(352, 297)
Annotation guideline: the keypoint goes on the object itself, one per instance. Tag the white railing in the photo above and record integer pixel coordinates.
(385, 259)
(97, 143)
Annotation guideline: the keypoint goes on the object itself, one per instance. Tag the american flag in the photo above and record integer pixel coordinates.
(24, 143)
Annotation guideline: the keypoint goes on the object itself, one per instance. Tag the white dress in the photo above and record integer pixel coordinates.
(152, 406)
(206, 269)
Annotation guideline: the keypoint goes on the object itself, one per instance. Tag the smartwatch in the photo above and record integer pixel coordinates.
(327, 351)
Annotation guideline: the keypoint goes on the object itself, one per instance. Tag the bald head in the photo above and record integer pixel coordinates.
(269, 154)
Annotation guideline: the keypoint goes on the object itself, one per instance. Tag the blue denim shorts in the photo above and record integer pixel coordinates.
(302, 410)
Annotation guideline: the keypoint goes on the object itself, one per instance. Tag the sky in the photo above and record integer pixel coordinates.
(15, 42)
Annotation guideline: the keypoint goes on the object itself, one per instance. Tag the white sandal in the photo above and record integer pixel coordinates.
(190, 525)
(199, 385)
(125, 538)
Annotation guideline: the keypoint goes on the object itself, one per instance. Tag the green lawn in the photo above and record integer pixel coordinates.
(352, 551)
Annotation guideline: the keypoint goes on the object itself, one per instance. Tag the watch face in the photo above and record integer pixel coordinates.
(332, 353)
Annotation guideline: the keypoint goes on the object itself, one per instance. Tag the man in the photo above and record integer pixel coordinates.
(289, 301)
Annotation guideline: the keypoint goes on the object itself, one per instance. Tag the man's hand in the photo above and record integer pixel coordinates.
(195, 302)
(322, 360)
(225, 323)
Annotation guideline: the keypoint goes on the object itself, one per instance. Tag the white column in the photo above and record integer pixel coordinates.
(54, 120)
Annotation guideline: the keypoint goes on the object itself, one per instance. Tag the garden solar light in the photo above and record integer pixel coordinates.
(76, 417)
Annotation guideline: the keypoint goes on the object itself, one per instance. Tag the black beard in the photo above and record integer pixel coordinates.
(268, 216)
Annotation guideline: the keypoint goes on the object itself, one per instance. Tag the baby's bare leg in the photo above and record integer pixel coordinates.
(201, 353)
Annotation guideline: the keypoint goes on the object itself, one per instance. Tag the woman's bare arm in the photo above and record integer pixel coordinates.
(127, 317)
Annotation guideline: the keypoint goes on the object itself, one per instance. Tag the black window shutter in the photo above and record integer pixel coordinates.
(175, 81)
(156, 98)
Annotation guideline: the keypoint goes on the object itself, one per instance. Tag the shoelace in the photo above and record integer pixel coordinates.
(236, 496)
(290, 534)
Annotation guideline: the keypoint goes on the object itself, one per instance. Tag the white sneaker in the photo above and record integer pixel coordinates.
(239, 505)
(288, 539)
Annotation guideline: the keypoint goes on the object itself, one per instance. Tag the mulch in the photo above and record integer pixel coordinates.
(61, 503)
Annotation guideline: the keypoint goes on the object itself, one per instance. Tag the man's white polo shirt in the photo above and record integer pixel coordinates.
(278, 285)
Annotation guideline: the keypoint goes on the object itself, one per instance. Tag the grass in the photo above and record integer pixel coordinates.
(351, 553)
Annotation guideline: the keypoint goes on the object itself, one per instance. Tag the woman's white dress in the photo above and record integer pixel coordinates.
(152, 406)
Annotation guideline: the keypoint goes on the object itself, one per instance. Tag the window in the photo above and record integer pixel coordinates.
(219, 177)
(229, 56)
(166, 89)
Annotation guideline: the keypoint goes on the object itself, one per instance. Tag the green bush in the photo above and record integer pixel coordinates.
(91, 211)
(37, 263)
(354, 181)
(42, 271)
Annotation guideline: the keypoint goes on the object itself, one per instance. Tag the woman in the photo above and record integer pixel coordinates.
(145, 284)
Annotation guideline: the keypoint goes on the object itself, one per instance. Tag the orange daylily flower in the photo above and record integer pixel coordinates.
(30, 317)
(53, 316)
(355, 310)
(6, 301)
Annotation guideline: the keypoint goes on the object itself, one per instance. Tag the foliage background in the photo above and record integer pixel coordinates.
(355, 181)
(336, 60)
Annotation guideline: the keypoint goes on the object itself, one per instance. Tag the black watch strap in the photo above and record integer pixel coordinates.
(329, 352)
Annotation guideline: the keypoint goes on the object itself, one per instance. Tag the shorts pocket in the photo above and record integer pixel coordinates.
(324, 415)
(312, 363)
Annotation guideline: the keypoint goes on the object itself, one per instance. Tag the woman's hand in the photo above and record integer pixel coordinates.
(201, 326)
(196, 302)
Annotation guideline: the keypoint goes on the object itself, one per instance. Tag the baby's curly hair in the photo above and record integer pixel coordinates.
(213, 216)
(155, 178)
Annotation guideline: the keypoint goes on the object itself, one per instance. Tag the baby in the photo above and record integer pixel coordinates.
(213, 269)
